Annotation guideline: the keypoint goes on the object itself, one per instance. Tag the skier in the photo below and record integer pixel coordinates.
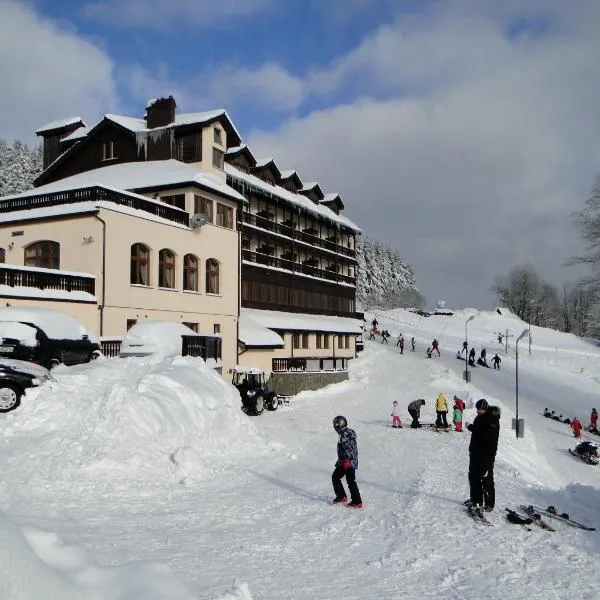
(396, 422)
(588, 451)
(485, 430)
(435, 345)
(500, 338)
(465, 347)
(400, 343)
(576, 427)
(429, 352)
(457, 413)
(414, 410)
(372, 334)
(346, 464)
(472, 357)
(412, 343)
(481, 360)
(593, 426)
(496, 361)
(374, 324)
(441, 410)
(385, 334)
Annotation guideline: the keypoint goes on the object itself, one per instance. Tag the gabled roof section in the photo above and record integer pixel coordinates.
(313, 191)
(60, 124)
(78, 134)
(242, 150)
(267, 164)
(291, 175)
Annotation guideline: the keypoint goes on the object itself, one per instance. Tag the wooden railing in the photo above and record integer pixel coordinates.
(44, 280)
(295, 234)
(294, 267)
(201, 346)
(111, 347)
(309, 365)
(95, 194)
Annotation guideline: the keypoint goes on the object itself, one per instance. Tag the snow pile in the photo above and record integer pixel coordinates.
(151, 421)
(39, 565)
(154, 337)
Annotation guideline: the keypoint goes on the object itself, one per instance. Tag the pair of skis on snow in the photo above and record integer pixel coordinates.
(533, 514)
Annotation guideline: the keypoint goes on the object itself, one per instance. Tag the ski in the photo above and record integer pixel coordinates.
(518, 519)
(537, 519)
(478, 517)
(551, 512)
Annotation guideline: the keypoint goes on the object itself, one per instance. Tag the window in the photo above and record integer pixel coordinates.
(305, 340)
(2, 255)
(296, 340)
(188, 147)
(224, 216)
(218, 158)
(108, 150)
(44, 254)
(140, 265)
(326, 340)
(166, 269)
(192, 326)
(340, 341)
(218, 136)
(203, 205)
(131, 323)
(190, 273)
(217, 328)
(177, 200)
(319, 340)
(212, 276)
(346, 342)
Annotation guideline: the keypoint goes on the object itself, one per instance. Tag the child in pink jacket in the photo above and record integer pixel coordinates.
(396, 422)
(457, 413)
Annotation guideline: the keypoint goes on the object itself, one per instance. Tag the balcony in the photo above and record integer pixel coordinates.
(309, 365)
(307, 237)
(46, 279)
(294, 267)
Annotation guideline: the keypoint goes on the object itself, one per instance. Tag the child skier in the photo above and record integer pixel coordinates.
(435, 346)
(496, 361)
(396, 422)
(346, 464)
(428, 352)
(441, 409)
(457, 413)
(412, 343)
(576, 427)
(401, 343)
(593, 427)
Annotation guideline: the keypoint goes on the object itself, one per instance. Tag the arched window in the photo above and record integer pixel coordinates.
(43, 254)
(190, 272)
(212, 276)
(140, 265)
(166, 269)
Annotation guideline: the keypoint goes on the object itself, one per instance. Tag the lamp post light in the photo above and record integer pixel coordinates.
(466, 373)
(518, 424)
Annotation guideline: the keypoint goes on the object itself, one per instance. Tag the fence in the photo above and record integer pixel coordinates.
(309, 365)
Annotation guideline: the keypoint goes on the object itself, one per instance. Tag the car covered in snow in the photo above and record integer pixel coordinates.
(46, 337)
(155, 337)
(16, 376)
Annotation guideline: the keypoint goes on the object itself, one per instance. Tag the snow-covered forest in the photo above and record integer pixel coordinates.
(19, 166)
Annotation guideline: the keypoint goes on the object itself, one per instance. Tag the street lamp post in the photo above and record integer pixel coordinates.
(517, 427)
(467, 374)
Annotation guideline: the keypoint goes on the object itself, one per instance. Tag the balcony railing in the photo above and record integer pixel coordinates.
(294, 267)
(95, 194)
(309, 365)
(204, 346)
(43, 280)
(295, 234)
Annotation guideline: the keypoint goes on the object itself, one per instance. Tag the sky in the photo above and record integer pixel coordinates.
(463, 133)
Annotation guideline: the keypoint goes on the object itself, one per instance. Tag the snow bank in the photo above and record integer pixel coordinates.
(39, 565)
(132, 424)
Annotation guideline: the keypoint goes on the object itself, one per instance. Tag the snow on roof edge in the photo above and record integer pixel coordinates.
(59, 123)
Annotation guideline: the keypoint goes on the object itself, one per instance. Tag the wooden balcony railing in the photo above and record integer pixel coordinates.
(44, 280)
(307, 238)
(94, 194)
(204, 346)
(309, 365)
(294, 267)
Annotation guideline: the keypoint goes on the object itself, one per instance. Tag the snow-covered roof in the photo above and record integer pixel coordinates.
(79, 133)
(137, 176)
(297, 199)
(55, 324)
(285, 321)
(309, 185)
(288, 173)
(330, 197)
(263, 162)
(252, 333)
(58, 124)
(236, 149)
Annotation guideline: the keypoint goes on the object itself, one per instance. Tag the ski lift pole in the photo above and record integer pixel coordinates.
(518, 423)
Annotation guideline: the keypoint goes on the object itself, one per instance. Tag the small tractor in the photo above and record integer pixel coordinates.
(252, 385)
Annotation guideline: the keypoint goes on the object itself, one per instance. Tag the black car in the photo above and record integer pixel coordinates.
(22, 340)
(15, 377)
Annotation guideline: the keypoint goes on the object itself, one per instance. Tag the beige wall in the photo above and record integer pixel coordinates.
(208, 143)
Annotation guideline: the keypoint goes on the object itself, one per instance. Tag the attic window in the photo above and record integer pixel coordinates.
(108, 150)
(218, 136)
(218, 158)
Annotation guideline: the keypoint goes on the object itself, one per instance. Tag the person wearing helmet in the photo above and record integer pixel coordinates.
(396, 422)
(485, 431)
(593, 426)
(414, 410)
(346, 464)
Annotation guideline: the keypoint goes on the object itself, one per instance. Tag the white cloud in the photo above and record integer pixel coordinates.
(48, 73)
(160, 14)
(270, 85)
(480, 152)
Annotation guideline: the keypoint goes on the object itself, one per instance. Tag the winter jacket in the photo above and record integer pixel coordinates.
(347, 447)
(441, 404)
(594, 418)
(415, 406)
(457, 415)
(394, 410)
(459, 403)
(485, 430)
(434, 344)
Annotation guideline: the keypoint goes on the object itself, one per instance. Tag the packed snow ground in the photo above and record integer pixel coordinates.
(140, 479)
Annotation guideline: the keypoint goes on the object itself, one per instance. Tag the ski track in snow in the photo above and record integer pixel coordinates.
(258, 512)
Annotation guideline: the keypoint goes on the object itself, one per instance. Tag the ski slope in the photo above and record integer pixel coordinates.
(141, 479)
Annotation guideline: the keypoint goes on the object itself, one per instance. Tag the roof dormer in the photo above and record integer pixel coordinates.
(313, 192)
(241, 158)
(290, 180)
(267, 170)
(334, 202)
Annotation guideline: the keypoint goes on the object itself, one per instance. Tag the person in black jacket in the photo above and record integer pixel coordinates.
(485, 430)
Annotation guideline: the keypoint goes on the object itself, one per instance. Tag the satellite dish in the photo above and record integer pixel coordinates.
(197, 220)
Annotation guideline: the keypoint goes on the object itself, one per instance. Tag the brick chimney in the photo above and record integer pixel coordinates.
(160, 112)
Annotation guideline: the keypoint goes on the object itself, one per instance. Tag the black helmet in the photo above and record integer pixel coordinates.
(481, 404)
(422, 401)
(339, 423)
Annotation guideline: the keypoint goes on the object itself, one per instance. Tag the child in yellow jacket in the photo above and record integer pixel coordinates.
(441, 410)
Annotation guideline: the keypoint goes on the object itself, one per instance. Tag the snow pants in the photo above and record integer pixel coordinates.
(481, 481)
(441, 419)
(458, 426)
(415, 418)
(338, 486)
(396, 422)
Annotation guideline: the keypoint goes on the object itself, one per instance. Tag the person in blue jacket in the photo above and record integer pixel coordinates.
(346, 464)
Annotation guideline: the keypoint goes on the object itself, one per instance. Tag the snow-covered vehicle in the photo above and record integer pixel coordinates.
(253, 387)
(587, 451)
(15, 377)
